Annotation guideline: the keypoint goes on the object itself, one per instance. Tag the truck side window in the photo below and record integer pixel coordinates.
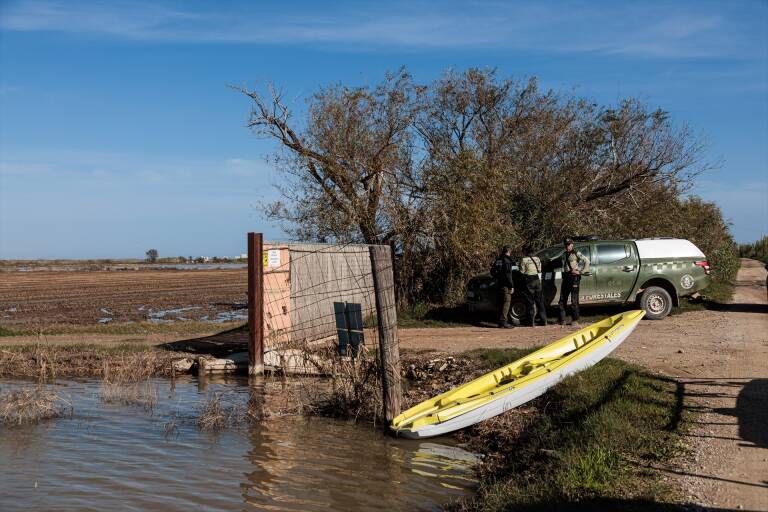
(611, 253)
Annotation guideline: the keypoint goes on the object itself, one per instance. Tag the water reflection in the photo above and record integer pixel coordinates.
(110, 455)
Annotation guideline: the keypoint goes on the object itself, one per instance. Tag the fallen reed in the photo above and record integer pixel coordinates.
(130, 383)
(31, 405)
(219, 412)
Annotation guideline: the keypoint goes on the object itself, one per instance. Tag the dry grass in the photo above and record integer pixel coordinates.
(170, 427)
(128, 381)
(275, 397)
(353, 390)
(47, 360)
(142, 394)
(220, 412)
(29, 406)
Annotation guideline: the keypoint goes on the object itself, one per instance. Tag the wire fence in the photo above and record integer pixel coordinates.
(319, 295)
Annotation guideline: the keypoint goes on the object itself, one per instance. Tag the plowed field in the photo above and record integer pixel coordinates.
(89, 297)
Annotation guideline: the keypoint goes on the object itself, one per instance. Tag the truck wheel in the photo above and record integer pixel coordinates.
(518, 311)
(656, 302)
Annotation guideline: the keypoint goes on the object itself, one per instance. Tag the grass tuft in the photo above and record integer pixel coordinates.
(218, 413)
(29, 406)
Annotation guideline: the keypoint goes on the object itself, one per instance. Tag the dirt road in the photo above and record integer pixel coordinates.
(720, 359)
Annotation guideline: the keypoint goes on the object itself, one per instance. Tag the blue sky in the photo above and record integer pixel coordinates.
(118, 131)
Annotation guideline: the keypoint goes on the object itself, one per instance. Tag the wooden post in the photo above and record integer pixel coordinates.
(386, 313)
(255, 304)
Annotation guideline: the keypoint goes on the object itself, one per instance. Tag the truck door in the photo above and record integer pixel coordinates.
(587, 287)
(553, 279)
(615, 270)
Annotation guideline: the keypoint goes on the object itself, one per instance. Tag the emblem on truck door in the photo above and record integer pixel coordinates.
(686, 281)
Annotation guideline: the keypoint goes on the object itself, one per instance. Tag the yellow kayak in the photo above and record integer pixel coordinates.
(518, 382)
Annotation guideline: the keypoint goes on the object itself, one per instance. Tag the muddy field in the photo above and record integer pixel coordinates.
(90, 297)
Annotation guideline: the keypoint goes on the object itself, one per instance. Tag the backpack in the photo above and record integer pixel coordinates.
(497, 269)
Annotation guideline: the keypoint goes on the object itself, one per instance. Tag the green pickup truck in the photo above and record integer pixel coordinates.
(651, 272)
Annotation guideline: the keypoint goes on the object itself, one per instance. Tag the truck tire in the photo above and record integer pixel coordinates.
(518, 311)
(656, 302)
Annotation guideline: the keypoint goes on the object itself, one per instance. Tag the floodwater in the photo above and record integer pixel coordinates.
(120, 457)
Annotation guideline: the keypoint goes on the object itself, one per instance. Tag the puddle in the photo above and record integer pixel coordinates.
(115, 456)
(162, 313)
(230, 316)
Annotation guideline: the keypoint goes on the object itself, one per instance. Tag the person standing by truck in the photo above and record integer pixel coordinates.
(502, 271)
(530, 267)
(574, 264)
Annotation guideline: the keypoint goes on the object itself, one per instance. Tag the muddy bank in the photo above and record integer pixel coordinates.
(57, 361)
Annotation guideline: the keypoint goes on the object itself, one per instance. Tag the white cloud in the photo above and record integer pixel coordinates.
(19, 168)
(638, 29)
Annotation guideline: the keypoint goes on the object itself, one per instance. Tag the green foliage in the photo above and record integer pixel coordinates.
(703, 224)
(588, 441)
(493, 358)
(756, 250)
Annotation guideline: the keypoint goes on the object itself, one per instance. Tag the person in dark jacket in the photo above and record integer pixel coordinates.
(502, 271)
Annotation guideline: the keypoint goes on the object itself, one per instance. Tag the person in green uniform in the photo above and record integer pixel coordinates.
(574, 264)
(530, 267)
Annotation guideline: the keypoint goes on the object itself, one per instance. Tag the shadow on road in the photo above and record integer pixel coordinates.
(736, 308)
(621, 505)
(750, 411)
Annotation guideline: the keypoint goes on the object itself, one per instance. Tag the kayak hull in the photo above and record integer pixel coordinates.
(515, 397)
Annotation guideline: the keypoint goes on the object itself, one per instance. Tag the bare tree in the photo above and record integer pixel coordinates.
(350, 166)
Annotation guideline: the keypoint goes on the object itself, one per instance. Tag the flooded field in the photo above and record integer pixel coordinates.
(136, 457)
(92, 297)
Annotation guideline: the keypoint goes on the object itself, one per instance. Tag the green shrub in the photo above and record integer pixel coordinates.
(756, 250)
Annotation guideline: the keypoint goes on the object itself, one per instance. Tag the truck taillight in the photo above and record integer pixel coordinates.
(704, 265)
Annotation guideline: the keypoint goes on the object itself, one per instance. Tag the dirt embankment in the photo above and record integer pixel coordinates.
(87, 297)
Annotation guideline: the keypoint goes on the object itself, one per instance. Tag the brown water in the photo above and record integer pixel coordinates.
(117, 457)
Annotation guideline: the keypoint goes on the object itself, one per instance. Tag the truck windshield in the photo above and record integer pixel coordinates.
(549, 254)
